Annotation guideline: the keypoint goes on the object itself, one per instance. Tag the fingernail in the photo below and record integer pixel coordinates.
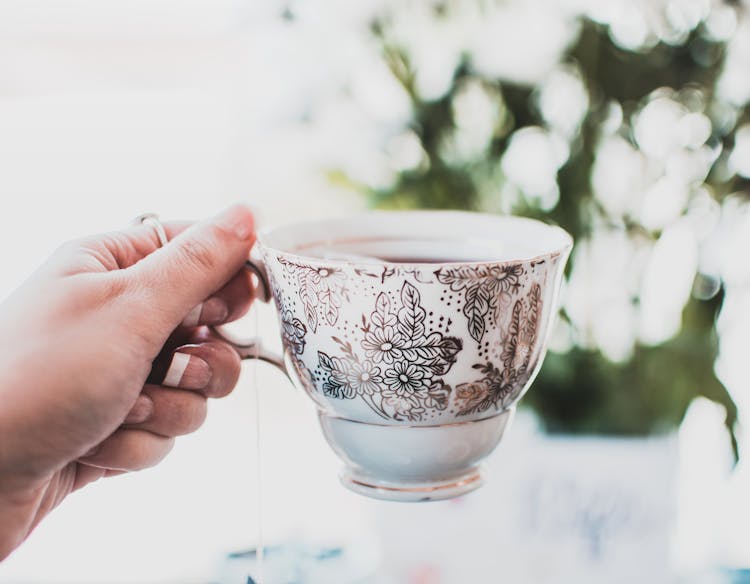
(238, 219)
(187, 372)
(141, 410)
(212, 311)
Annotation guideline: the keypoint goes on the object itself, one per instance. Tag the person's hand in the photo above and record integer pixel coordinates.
(104, 358)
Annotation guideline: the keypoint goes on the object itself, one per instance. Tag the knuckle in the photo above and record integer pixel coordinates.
(117, 285)
(72, 247)
(199, 254)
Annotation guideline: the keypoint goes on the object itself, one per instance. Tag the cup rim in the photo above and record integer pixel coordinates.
(559, 250)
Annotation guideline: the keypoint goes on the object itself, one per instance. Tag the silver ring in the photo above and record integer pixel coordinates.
(152, 220)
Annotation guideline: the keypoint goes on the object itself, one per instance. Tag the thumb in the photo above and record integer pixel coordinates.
(196, 263)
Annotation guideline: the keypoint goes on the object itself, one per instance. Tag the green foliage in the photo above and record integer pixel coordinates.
(580, 390)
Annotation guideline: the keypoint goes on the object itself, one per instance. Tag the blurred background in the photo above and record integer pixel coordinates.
(624, 121)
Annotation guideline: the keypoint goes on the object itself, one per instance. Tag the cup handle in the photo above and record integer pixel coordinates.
(252, 348)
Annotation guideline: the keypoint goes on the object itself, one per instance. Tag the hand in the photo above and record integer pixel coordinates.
(104, 359)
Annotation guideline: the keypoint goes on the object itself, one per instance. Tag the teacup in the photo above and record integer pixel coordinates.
(415, 333)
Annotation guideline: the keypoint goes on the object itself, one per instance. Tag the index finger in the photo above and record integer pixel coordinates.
(137, 242)
(113, 250)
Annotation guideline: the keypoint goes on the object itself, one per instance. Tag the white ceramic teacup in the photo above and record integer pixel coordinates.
(415, 333)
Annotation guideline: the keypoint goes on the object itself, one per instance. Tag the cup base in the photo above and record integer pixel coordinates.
(412, 492)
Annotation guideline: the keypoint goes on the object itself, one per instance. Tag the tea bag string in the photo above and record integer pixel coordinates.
(260, 548)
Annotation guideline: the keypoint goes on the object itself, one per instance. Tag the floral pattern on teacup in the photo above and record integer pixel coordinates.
(398, 366)
(487, 292)
(396, 358)
(293, 332)
(321, 290)
(500, 387)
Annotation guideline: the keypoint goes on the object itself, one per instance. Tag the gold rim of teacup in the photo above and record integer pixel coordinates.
(476, 477)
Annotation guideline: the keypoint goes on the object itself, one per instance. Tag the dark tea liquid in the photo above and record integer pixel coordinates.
(408, 260)
(413, 251)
